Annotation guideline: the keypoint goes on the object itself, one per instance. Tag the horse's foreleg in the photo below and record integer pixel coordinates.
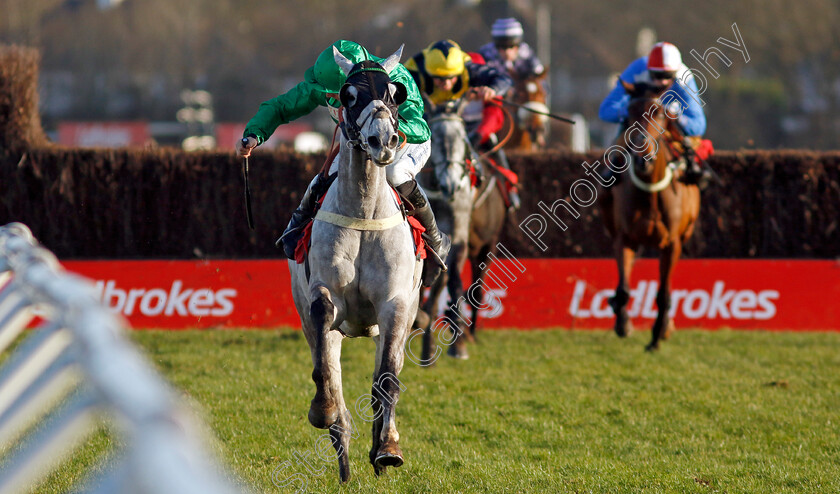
(625, 256)
(340, 433)
(393, 330)
(376, 411)
(663, 326)
(326, 352)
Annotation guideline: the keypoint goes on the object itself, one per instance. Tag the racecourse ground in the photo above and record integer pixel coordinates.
(531, 411)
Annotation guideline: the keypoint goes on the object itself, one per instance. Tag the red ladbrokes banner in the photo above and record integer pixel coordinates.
(526, 294)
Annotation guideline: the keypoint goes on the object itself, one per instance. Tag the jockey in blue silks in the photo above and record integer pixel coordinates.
(664, 67)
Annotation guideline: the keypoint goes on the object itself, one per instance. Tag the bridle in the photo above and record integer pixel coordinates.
(450, 112)
(637, 159)
(360, 115)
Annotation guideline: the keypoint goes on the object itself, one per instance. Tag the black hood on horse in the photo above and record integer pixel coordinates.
(369, 81)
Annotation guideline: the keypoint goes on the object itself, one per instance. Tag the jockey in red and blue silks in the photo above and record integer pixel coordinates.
(663, 67)
(663, 64)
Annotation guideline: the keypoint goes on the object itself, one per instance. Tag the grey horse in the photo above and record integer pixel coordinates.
(452, 207)
(363, 278)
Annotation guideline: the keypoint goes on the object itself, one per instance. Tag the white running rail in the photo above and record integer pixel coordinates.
(76, 369)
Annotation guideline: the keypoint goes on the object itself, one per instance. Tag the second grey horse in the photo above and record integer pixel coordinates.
(452, 205)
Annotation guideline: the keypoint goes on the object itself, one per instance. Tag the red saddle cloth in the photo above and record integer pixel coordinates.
(302, 248)
(510, 180)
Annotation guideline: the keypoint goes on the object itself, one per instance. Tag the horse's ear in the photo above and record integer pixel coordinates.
(393, 60)
(398, 92)
(348, 95)
(629, 88)
(343, 62)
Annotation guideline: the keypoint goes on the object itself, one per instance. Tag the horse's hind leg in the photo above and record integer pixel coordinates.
(326, 351)
(478, 275)
(624, 256)
(663, 326)
(430, 307)
(455, 284)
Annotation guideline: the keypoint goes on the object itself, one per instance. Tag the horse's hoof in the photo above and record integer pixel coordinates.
(322, 417)
(460, 354)
(669, 330)
(652, 347)
(344, 478)
(388, 459)
(427, 355)
(623, 330)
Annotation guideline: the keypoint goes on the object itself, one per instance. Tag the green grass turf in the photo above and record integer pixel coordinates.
(531, 411)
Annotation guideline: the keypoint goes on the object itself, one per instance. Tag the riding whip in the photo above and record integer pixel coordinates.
(247, 187)
(551, 115)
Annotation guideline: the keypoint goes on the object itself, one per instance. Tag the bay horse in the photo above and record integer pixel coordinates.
(650, 208)
(489, 214)
(448, 186)
(531, 129)
(362, 277)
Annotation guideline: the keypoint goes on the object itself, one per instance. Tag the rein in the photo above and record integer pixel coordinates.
(505, 139)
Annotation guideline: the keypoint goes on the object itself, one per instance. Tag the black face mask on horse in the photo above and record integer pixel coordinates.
(369, 82)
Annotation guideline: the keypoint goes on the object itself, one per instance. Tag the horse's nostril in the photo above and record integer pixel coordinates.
(373, 141)
(393, 141)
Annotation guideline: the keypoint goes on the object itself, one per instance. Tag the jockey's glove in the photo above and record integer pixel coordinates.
(244, 150)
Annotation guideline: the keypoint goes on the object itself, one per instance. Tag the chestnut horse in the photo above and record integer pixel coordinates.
(531, 129)
(649, 207)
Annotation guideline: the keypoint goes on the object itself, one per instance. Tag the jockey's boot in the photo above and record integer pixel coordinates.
(696, 173)
(437, 243)
(303, 214)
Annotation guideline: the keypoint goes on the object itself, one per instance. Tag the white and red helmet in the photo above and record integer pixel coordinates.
(664, 57)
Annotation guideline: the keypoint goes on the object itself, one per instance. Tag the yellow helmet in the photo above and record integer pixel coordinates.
(444, 59)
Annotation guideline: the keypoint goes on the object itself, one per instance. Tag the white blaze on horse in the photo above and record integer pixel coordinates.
(363, 277)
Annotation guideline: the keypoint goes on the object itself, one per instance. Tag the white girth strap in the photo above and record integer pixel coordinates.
(654, 187)
(359, 223)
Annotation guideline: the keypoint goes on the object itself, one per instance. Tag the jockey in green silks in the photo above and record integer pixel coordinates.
(320, 87)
